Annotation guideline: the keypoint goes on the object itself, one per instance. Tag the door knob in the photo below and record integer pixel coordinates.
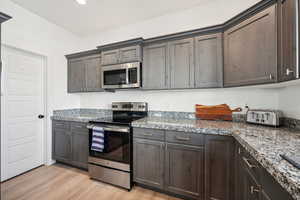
(41, 116)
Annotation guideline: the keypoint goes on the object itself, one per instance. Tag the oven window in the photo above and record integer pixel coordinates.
(115, 77)
(132, 75)
(117, 147)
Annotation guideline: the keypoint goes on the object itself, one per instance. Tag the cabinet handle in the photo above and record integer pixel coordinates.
(182, 138)
(248, 163)
(289, 72)
(239, 150)
(211, 198)
(148, 134)
(252, 190)
(271, 77)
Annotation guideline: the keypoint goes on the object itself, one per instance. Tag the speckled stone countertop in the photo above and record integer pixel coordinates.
(264, 144)
(81, 115)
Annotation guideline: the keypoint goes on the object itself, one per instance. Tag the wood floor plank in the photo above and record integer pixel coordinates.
(60, 182)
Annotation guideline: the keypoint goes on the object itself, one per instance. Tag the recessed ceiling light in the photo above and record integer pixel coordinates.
(81, 2)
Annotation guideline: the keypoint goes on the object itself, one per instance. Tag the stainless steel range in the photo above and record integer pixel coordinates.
(113, 164)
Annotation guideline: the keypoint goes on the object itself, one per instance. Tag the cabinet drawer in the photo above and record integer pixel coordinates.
(152, 134)
(185, 138)
(61, 125)
(79, 127)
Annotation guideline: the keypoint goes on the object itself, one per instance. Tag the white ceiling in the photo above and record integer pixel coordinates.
(99, 15)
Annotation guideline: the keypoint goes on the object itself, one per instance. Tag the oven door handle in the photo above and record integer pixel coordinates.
(112, 128)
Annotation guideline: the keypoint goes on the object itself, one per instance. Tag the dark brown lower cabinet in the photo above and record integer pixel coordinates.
(70, 143)
(253, 182)
(61, 145)
(200, 167)
(80, 149)
(184, 170)
(219, 162)
(148, 162)
(250, 186)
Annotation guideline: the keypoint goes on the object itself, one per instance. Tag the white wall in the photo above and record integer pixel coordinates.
(32, 33)
(289, 101)
(185, 100)
(212, 13)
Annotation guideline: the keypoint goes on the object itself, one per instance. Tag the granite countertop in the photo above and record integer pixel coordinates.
(264, 144)
(76, 118)
(80, 115)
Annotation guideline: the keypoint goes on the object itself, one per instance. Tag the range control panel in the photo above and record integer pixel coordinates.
(265, 117)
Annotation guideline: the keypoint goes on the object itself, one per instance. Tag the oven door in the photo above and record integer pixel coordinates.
(117, 144)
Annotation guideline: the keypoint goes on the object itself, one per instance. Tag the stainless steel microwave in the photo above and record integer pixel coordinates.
(126, 75)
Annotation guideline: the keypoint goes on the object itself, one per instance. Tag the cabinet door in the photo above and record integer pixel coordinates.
(287, 31)
(155, 66)
(93, 74)
(76, 75)
(184, 170)
(130, 54)
(239, 174)
(219, 179)
(148, 162)
(61, 145)
(182, 63)
(110, 57)
(251, 50)
(80, 148)
(251, 189)
(208, 61)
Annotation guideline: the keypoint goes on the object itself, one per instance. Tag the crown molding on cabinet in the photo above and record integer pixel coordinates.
(83, 53)
(135, 41)
(4, 17)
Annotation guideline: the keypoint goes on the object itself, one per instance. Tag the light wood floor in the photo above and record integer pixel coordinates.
(59, 182)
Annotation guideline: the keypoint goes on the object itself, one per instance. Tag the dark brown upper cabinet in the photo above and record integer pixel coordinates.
(193, 62)
(110, 57)
(93, 73)
(250, 50)
(209, 61)
(182, 66)
(258, 46)
(122, 55)
(156, 66)
(84, 73)
(76, 75)
(287, 17)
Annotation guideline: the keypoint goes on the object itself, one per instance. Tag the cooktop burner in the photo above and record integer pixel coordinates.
(125, 113)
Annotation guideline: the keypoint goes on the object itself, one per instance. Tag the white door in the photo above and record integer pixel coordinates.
(21, 102)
